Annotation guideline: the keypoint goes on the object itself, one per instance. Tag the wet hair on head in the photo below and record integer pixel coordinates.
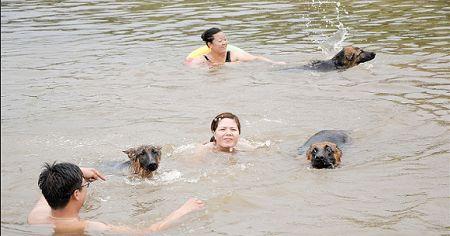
(58, 182)
(208, 35)
(216, 120)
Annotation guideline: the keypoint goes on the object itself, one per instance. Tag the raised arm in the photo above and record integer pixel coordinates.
(92, 174)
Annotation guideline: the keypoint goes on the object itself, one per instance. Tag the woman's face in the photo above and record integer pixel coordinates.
(226, 134)
(220, 42)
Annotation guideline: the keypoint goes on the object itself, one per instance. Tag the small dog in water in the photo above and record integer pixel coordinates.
(324, 148)
(144, 160)
(348, 57)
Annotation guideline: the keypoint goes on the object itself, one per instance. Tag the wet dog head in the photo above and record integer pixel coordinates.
(144, 159)
(324, 155)
(351, 56)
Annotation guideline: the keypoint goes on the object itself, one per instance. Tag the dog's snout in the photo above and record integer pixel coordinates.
(152, 166)
(370, 55)
(320, 161)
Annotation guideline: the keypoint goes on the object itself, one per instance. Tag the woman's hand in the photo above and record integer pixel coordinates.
(92, 174)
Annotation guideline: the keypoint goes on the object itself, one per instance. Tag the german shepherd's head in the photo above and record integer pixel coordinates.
(351, 56)
(144, 160)
(324, 155)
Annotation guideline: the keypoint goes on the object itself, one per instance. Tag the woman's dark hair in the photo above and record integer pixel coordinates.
(216, 120)
(58, 182)
(208, 35)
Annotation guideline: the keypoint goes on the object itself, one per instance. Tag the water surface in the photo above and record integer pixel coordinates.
(83, 80)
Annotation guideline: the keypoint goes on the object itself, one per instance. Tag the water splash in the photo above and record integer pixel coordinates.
(168, 177)
(331, 44)
(334, 42)
(183, 148)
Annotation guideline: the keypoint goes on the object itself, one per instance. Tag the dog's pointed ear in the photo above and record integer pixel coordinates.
(338, 155)
(156, 150)
(130, 152)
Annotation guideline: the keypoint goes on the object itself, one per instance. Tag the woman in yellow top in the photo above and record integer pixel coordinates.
(217, 42)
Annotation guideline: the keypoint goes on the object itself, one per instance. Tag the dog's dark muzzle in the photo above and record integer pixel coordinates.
(368, 56)
(320, 162)
(152, 167)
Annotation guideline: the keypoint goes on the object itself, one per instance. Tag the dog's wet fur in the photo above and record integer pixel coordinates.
(144, 160)
(348, 57)
(323, 149)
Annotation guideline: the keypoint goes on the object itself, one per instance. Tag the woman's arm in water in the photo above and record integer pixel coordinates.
(245, 56)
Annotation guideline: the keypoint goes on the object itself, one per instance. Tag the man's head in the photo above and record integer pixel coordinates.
(59, 182)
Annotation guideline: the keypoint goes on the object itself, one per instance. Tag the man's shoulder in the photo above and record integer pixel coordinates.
(38, 220)
(96, 226)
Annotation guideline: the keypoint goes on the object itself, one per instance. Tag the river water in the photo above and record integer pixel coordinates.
(83, 80)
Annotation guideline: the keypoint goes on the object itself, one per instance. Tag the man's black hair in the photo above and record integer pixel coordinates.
(58, 182)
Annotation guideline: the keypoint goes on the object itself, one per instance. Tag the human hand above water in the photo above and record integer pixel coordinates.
(92, 174)
(192, 204)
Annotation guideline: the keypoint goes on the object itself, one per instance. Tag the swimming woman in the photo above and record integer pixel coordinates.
(226, 130)
(217, 41)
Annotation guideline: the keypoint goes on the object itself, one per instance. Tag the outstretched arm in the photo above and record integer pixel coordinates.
(191, 205)
(245, 56)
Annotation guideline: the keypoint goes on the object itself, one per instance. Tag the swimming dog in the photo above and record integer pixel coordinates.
(144, 160)
(348, 57)
(323, 148)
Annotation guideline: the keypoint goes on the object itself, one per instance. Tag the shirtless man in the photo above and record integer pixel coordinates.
(64, 188)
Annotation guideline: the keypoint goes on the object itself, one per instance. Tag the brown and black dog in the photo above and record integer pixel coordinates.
(144, 160)
(348, 57)
(323, 148)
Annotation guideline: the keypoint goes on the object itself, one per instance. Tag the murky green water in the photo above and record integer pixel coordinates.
(83, 80)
